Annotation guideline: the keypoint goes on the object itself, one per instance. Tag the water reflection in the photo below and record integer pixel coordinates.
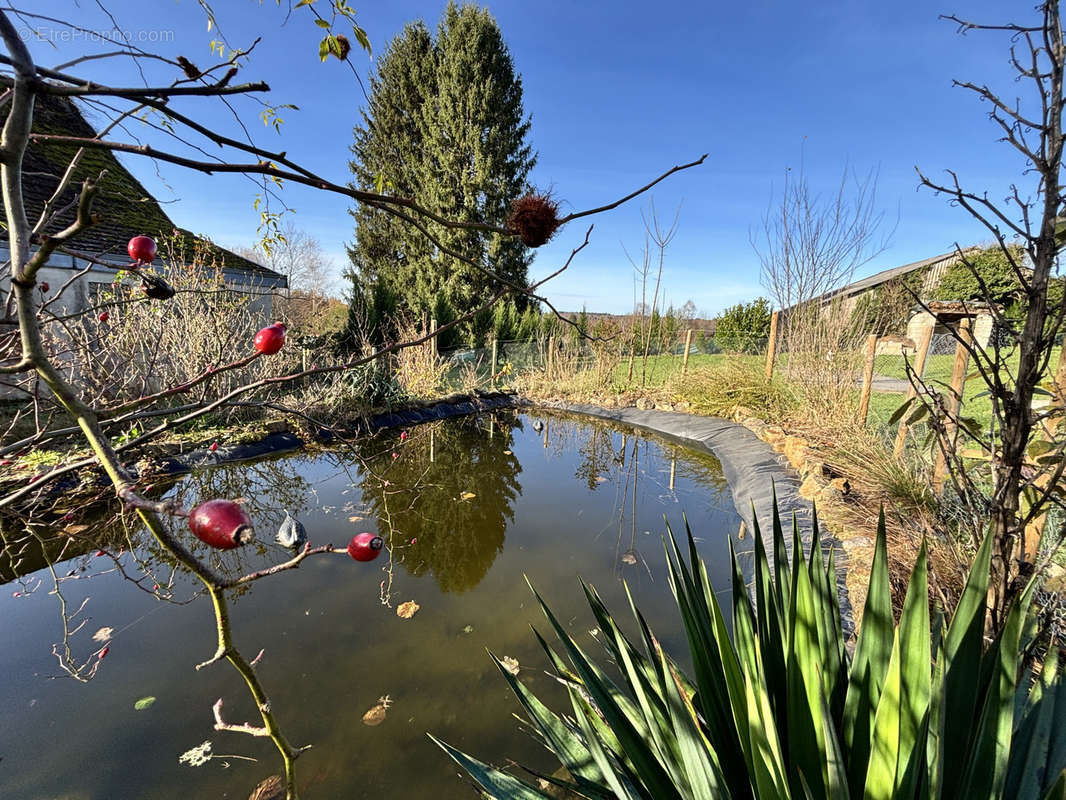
(469, 506)
(446, 498)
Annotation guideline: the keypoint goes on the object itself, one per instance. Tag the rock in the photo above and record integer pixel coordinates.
(857, 543)
(277, 426)
(841, 485)
(811, 487)
(642, 404)
(795, 450)
(773, 435)
(741, 413)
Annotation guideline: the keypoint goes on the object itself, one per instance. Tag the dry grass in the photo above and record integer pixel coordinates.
(418, 369)
(718, 389)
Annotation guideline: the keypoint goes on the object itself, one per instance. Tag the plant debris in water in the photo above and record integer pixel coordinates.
(510, 664)
(197, 756)
(273, 788)
(144, 703)
(408, 609)
(376, 715)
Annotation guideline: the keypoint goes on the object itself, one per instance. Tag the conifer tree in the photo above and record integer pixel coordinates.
(445, 126)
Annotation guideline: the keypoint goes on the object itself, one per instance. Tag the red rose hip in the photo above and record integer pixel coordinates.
(221, 523)
(142, 249)
(104, 317)
(270, 339)
(365, 546)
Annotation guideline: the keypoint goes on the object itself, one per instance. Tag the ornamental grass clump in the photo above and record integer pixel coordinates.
(782, 710)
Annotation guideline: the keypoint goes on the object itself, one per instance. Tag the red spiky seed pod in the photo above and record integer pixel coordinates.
(270, 339)
(221, 523)
(104, 317)
(535, 217)
(365, 546)
(142, 249)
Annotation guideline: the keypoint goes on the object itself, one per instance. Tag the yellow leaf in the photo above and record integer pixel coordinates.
(467, 496)
(510, 664)
(407, 610)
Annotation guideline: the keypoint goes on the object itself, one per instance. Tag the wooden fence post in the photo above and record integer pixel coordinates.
(919, 370)
(958, 383)
(433, 341)
(551, 356)
(688, 346)
(771, 346)
(1029, 543)
(868, 354)
(495, 353)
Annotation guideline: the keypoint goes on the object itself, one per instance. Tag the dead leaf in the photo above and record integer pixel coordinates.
(600, 479)
(510, 664)
(103, 635)
(629, 558)
(74, 529)
(273, 788)
(355, 518)
(376, 715)
(467, 496)
(407, 610)
(507, 452)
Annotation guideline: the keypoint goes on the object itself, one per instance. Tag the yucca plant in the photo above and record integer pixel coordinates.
(783, 710)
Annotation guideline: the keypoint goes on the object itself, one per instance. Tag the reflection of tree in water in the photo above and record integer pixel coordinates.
(420, 499)
(635, 465)
(265, 489)
(598, 456)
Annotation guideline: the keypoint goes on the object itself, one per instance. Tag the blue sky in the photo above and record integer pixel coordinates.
(619, 91)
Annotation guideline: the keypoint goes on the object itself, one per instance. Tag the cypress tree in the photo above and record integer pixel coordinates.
(444, 126)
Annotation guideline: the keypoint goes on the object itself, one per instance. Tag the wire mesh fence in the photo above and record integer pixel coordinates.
(651, 359)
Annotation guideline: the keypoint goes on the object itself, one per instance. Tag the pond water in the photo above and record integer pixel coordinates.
(468, 506)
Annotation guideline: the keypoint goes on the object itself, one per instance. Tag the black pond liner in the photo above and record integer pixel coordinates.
(753, 470)
(276, 443)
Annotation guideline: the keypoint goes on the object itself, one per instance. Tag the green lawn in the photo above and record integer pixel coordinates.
(938, 375)
(661, 368)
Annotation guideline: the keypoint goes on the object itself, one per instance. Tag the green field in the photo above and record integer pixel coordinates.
(937, 375)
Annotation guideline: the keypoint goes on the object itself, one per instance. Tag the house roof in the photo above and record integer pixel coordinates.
(124, 207)
(896, 272)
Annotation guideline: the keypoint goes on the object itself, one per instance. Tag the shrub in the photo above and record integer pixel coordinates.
(744, 328)
(782, 710)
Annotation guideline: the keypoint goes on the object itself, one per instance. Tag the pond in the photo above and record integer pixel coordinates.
(468, 507)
